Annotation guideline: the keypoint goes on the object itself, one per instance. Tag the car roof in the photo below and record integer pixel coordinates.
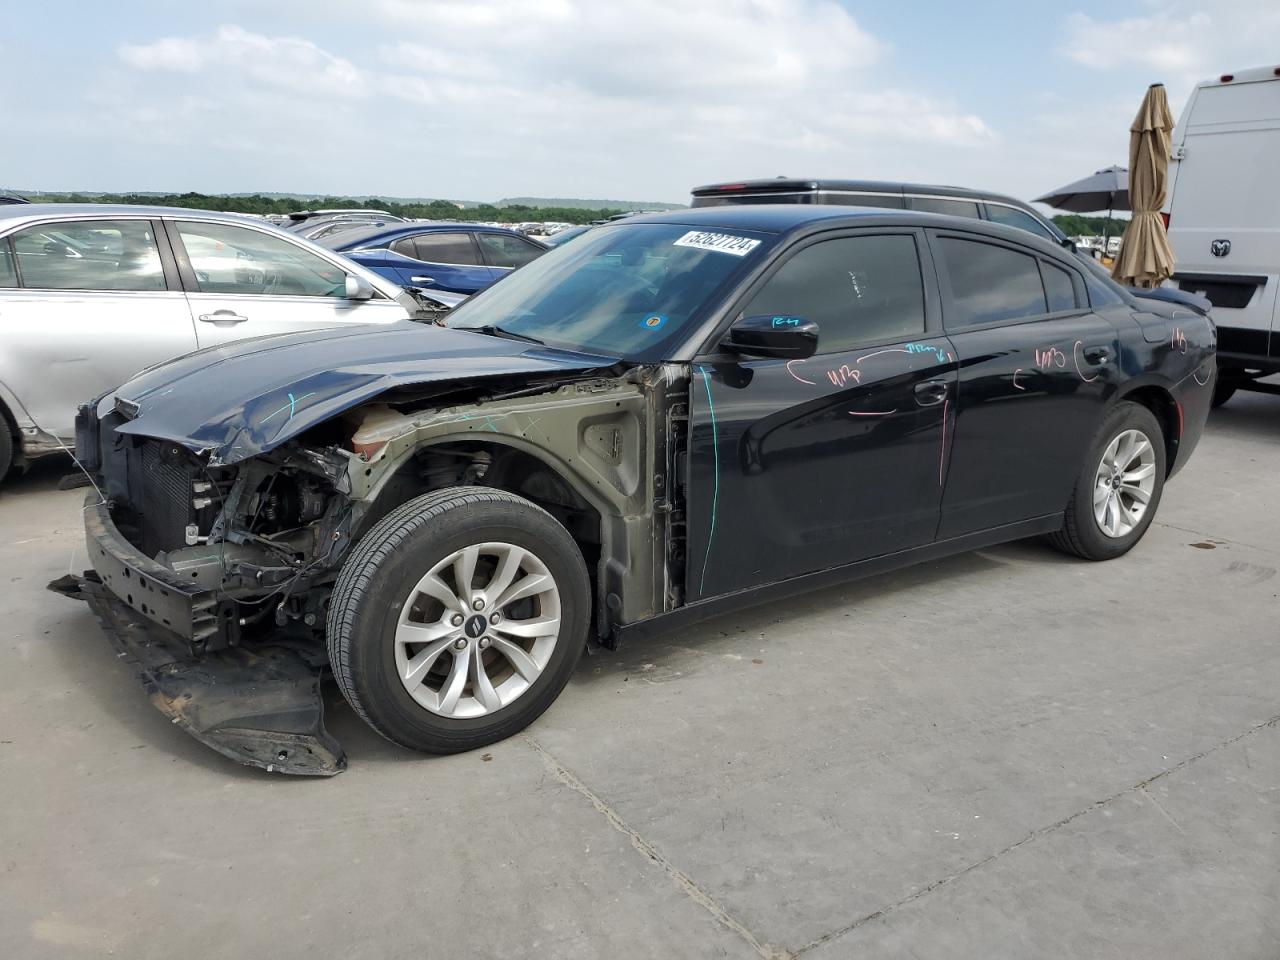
(25, 212)
(390, 231)
(806, 184)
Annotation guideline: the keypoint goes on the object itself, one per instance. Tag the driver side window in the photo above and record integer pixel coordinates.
(859, 290)
(235, 260)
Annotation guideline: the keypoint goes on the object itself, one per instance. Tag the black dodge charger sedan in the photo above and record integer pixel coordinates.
(673, 415)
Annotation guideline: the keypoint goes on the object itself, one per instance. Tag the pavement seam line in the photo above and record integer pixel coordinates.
(1140, 787)
(1213, 536)
(686, 883)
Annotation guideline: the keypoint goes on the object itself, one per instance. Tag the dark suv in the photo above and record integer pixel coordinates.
(954, 201)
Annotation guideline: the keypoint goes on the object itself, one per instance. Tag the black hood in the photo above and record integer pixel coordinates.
(244, 398)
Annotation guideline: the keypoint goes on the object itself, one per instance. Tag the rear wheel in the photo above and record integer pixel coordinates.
(1119, 487)
(458, 619)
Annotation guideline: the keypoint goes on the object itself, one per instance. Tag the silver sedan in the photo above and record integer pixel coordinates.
(92, 293)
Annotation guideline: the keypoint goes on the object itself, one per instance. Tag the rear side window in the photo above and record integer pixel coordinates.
(235, 260)
(990, 283)
(1013, 217)
(89, 255)
(503, 250)
(857, 289)
(1058, 288)
(952, 208)
(863, 200)
(438, 248)
(8, 276)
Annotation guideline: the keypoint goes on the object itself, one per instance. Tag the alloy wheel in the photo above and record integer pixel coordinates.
(1124, 483)
(477, 630)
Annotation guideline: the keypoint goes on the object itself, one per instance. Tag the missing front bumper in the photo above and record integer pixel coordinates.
(260, 706)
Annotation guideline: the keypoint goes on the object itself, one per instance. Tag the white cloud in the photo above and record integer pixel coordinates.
(234, 54)
(1178, 41)
(480, 98)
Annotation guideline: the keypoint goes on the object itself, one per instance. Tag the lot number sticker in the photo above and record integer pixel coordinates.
(719, 242)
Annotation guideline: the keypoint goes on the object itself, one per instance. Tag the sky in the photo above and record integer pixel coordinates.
(617, 99)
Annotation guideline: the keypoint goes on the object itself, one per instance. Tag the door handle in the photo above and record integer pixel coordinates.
(1097, 355)
(423, 279)
(930, 393)
(222, 317)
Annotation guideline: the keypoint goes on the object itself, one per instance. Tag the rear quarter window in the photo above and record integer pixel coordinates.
(8, 276)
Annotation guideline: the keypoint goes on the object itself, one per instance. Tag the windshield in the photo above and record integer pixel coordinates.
(630, 290)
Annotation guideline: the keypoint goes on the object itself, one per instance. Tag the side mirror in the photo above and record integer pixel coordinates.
(358, 288)
(778, 337)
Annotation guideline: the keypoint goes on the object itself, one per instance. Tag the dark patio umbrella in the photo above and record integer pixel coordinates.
(1105, 190)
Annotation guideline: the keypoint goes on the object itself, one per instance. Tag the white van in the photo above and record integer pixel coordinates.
(1223, 215)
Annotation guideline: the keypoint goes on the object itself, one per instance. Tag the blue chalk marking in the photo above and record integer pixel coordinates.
(938, 352)
(715, 490)
(291, 406)
(786, 321)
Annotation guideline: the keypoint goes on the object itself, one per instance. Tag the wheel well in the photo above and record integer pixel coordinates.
(504, 468)
(1161, 403)
(10, 423)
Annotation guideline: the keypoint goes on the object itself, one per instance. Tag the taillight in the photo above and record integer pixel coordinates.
(1164, 217)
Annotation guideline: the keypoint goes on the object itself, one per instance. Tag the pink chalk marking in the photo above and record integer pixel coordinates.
(942, 454)
(796, 375)
(1075, 356)
(1179, 340)
(1198, 380)
(879, 352)
(842, 374)
(1016, 385)
(1049, 356)
(869, 413)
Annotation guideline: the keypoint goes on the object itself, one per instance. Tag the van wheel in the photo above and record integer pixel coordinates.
(1119, 486)
(1228, 382)
(458, 619)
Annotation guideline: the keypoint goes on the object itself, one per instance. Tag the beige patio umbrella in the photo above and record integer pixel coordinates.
(1146, 259)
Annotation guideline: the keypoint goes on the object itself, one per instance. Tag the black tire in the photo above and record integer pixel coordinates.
(1225, 388)
(1081, 534)
(381, 572)
(6, 448)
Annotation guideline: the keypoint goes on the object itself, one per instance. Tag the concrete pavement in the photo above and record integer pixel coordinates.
(1004, 754)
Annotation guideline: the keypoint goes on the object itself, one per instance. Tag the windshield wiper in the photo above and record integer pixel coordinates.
(494, 330)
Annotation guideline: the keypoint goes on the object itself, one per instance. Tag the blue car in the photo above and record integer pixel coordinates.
(455, 257)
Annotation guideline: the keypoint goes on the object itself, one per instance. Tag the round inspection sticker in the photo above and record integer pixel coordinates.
(654, 321)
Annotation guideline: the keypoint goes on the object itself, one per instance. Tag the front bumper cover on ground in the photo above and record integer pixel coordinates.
(258, 705)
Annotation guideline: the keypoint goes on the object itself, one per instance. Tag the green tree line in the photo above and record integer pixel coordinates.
(1076, 225)
(256, 203)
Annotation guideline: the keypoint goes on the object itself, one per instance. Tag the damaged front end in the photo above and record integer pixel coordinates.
(210, 581)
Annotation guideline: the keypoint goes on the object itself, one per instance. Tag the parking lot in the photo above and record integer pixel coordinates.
(1004, 754)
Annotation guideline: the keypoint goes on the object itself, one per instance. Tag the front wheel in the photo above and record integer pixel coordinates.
(1119, 486)
(458, 619)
